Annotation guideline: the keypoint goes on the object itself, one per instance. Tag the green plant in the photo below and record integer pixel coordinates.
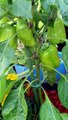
(29, 21)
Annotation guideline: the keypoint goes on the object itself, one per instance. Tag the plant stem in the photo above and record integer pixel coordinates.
(40, 95)
(37, 64)
(30, 64)
(39, 88)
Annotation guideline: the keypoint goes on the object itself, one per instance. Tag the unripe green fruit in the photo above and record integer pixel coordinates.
(25, 34)
(8, 33)
(49, 58)
(57, 33)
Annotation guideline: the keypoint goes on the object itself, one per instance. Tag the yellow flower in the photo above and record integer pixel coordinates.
(12, 77)
(3, 101)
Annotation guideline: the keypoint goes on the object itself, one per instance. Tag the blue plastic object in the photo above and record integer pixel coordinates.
(61, 69)
(20, 69)
(40, 73)
(60, 55)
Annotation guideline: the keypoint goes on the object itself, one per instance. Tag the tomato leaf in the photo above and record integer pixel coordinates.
(21, 8)
(63, 91)
(15, 106)
(49, 112)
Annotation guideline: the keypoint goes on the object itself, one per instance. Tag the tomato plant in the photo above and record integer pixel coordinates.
(30, 31)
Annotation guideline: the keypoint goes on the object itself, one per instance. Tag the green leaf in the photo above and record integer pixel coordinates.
(21, 8)
(3, 7)
(2, 87)
(63, 8)
(2, 12)
(49, 15)
(47, 4)
(3, 2)
(52, 15)
(64, 116)
(65, 55)
(6, 56)
(49, 112)
(9, 86)
(63, 91)
(50, 10)
(15, 107)
(10, 1)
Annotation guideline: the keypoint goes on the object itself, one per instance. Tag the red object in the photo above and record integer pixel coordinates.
(53, 96)
(55, 100)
